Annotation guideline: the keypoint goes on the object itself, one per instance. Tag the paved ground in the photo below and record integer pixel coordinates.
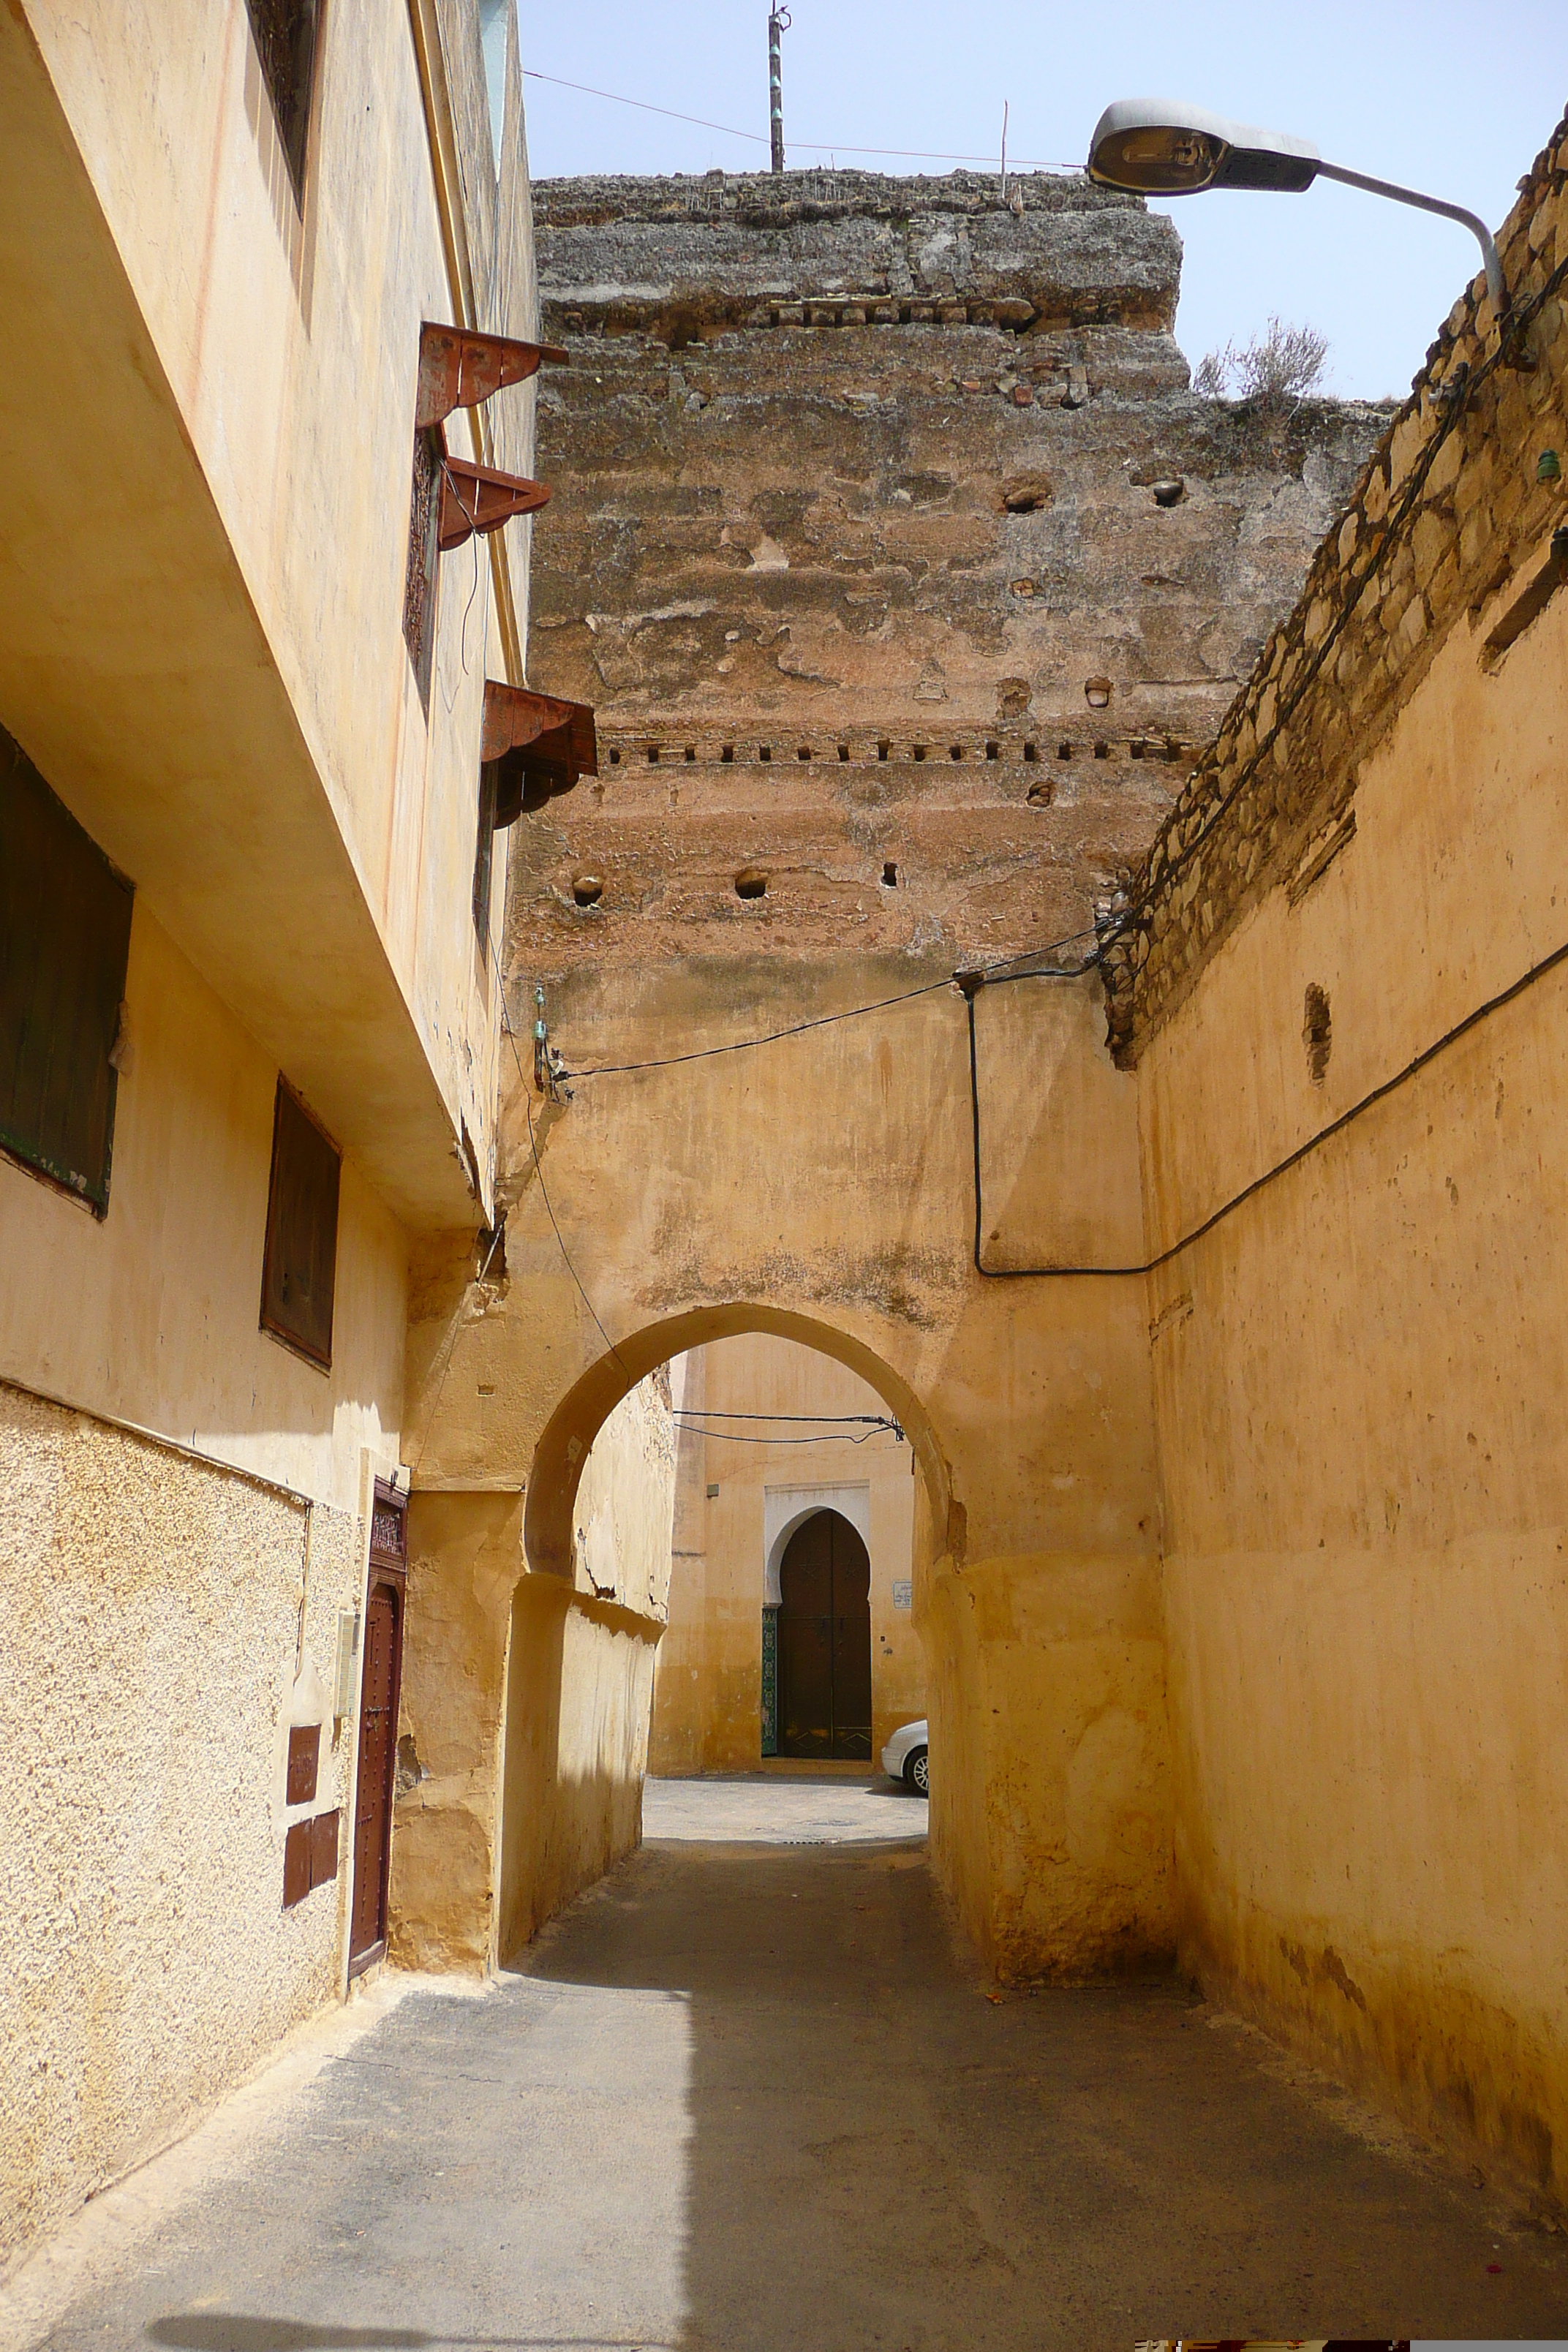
(756, 1808)
(745, 2099)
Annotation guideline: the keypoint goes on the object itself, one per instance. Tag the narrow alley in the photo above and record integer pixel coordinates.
(745, 2092)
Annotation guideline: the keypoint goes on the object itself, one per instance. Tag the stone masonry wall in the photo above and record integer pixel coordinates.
(1439, 523)
(898, 561)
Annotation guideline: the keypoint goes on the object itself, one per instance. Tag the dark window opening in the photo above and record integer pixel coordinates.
(1031, 750)
(65, 940)
(994, 750)
(284, 32)
(889, 876)
(484, 851)
(419, 581)
(764, 750)
(653, 755)
(803, 752)
(1102, 751)
(1064, 750)
(1137, 747)
(691, 751)
(614, 759)
(844, 750)
(918, 752)
(750, 884)
(883, 749)
(727, 754)
(955, 752)
(299, 1271)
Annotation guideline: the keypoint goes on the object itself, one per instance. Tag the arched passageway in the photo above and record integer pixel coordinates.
(674, 1202)
(825, 1642)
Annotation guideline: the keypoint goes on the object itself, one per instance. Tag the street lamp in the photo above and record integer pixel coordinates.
(1152, 147)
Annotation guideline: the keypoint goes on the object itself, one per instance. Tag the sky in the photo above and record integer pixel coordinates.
(1453, 100)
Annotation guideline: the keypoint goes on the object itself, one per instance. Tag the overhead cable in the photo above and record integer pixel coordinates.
(817, 146)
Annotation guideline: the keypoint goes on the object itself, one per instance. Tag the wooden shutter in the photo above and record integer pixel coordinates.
(300, 1270)
(65, 939)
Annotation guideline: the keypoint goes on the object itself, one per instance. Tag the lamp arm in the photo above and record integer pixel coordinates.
(1471, 221)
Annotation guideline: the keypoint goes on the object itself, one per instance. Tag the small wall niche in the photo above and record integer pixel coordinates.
(1316, 1032)
(750, 882)
(587, 889)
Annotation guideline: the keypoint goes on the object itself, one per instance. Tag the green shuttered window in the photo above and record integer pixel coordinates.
(300, 1270)
(65, 937)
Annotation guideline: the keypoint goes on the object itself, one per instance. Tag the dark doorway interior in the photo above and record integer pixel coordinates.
(379, 1693)
(825, 1642)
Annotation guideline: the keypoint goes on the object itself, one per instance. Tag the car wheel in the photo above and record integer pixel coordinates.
(915, 1776)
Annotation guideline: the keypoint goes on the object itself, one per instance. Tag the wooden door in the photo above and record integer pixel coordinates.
(379, 1687)
(825, 1642)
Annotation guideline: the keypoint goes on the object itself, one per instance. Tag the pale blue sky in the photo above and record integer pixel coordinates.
(1455, 100)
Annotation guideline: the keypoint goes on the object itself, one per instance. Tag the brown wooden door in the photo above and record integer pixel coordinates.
(377, 1757)
(825, 1642)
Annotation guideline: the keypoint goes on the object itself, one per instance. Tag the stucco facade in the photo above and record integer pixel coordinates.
(203, 658)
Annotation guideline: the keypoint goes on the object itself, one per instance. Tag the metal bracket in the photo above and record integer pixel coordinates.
(479, 498)
(459, 369)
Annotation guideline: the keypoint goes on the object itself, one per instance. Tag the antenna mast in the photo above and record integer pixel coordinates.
(778, 25)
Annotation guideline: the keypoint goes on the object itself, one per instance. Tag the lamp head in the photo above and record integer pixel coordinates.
(1154, 147)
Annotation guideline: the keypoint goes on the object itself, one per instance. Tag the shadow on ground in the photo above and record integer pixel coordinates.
(883, 2154)
(746, 2098)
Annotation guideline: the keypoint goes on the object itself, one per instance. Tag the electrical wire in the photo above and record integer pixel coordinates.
(701, 1413)
(837, 1437)
(745, 1045)
(544, 1189)
(817, 146)
(1428, 1054)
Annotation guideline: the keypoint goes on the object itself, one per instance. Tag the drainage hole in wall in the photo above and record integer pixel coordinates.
(1316, 1032)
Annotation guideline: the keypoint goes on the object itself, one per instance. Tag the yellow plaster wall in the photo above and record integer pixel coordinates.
(1358, 1379)
(707, 1707)
(284, 337)
(820, 1190)
(152, 1315)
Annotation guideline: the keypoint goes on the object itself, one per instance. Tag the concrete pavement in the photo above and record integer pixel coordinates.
(744, 2097)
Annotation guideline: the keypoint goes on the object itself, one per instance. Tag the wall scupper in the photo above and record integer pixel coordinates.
(1447, 514)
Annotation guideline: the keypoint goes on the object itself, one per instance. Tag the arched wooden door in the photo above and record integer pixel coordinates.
(825, 1642)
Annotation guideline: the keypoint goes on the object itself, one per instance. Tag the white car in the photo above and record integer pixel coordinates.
(904, 1757)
